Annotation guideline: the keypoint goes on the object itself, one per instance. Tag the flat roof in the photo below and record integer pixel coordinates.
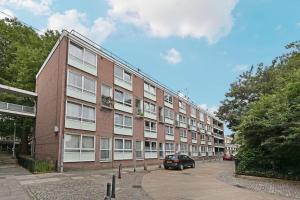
(9, 89)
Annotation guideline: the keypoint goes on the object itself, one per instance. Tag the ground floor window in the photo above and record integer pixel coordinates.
(150, 146)
(139, 150)
(123, 149)
(169, 147)
(105, 149)
(79, 147)
(161, 150)
(184, 148)
(194, 150)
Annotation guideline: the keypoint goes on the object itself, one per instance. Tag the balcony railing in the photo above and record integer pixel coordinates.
(17, 108)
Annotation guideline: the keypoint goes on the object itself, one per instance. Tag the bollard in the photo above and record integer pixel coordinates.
(113, 187)
(108, 194)
(119, 174)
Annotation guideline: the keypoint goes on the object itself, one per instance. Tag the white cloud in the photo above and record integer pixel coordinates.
(38, 7)
(9, 13)
(241, 68)
(196, 18)
(75, 20)
(211, 109)
(172, 56)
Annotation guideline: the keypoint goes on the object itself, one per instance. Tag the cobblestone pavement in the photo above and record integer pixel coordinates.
(275, 186)
(92, 185)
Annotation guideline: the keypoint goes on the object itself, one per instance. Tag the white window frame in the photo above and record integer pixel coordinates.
(123, 121)
(194, 135)
(149, 106)
(81, 119)
(151, 150)
(193, 111)
(168, 113)
(171, 150)
(123, 150)
(83, 59)
(123, 75)
(109, 150)
(182, 119)
(183, 133)
(150, 129)
(168, 98)
(147, 87)
(168, 130)
(141, 150)
(80, 146)
(123, 98)
(83, 77)
(182, 105)
(186, 149)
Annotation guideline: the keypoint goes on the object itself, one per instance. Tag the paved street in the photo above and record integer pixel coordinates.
(209, 180)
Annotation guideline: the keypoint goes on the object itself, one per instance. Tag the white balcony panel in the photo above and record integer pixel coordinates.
(182, 111)
(203, 154)
(209, 143)
(122, 131)
(183, 139)
(123, 84)
(208, 133)
(149, 134)
(169, 105)
(123, 107)
(77, 63)
(210, 153)
(71, 92)
(182, 125)
(169, 121)
(193, 115)
(81, 125)
(150, 115)
(123, 155)
(149, 96)
(150, 155)
(202, 131)
(194, 141)
(202, 142)
(169, 137)
(194, 154)
(193, 128)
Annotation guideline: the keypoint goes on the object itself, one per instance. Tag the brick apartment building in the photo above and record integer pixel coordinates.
(95, 110)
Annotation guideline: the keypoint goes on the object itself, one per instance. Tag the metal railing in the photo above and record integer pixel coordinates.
(17, 108)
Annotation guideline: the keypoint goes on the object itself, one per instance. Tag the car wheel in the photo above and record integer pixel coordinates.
(181, 167)
(166, 167)
(193, 165)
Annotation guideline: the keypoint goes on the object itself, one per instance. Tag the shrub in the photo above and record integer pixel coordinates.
(36, 166)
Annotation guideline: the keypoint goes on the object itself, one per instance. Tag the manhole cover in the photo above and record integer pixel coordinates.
(239, 186)
(137, 186)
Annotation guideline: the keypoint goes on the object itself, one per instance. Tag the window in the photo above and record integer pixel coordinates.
(181, 105)
(169, 113)
(194, 136)
(123, 75)
(184, 148)
(183, 133)
(169, 130)
(138, 150)
(138, 106)
(83, 55)
(149, 107)
(168, 98)
(193, 122)
(193, 111)
(81, 83)
(201, 126)
(123, 145)
(194, 149)
(182, 119)
(106, 95)
(169, 147)
(202, 137)
(209, 149)
(150, 126)
(201, 116)
(161, 150)
(80, 112)
(203, 149)
(123, 98)
(209, 138)
(105, 149)
(79, 148)
(150, 146)
(123, 121)
(149, 89)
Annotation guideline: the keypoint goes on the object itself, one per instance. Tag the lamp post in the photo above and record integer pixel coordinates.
(14, 143)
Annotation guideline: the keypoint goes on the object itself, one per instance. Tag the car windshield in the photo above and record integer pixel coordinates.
(171, 157)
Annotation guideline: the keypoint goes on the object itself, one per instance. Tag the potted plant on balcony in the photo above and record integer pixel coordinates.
(107, 101)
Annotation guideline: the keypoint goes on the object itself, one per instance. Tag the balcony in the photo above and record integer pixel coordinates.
(182, 110)
(81, 124)
(203, 153)
(107, 102)
(150, 154)
(169, 137)
(150, 134)
(183, 139)
(219, 136)
(209, 143)
(80, 94)
(122, 130)
(168, 104)
(169, 121)
(124, 84)
(194, 141)
(80, 64)
(149, 95)
(123, 107)
(192, 128)
(150, 115)
(17, 109)
(123, 155)
(202, 142)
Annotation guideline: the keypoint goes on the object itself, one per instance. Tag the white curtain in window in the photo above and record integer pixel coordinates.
(89, 85)
(88, 113)
(75, 79)
(76, 51)
(90, 57)
(119, 96)
(118, 119)
(106, 90)
(73, 110)
(128, 121)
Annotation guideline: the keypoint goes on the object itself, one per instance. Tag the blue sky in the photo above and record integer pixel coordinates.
(197, 46)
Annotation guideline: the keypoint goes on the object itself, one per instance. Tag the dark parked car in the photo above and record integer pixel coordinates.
(178, 162)
(228, 156)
